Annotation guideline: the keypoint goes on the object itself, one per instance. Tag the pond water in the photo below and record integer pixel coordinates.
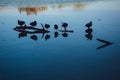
(86, 45)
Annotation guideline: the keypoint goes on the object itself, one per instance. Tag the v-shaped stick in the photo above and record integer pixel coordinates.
(106, 43)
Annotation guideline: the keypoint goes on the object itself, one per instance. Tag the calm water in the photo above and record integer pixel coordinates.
(84, 54)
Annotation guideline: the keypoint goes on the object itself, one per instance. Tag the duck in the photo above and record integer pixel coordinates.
(89, 24)
(65, 25)
(47, 26)
(21, 23)
(55, 26)
(34, 23)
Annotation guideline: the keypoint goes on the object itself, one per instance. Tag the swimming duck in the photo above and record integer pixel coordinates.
(89, 24)
(65, 25)
(21, 23)
(34, 23)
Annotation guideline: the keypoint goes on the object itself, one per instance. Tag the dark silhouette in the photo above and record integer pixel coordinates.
(34, 23)
(47, 37)
(89, 30)
(65, 34)
(24, 30)
(47, 26)
(22, 34)
(56, 34)
(89, 24)
(21, 23)
(89, 36)
(55, 26)
(34, 37)
(34, 30)
(65, 25)
(66, 31)
(106, 43)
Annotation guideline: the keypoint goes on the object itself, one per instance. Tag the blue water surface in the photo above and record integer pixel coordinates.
(70, 55)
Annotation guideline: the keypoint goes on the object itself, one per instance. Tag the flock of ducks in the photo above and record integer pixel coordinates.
(89, 30)
(34, 23)
(64, 25)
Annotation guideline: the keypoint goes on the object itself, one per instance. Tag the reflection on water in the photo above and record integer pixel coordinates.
(25, 30)
(32, 10)
(29, 10)
(89, 30)
(32, 30)
(63, 41)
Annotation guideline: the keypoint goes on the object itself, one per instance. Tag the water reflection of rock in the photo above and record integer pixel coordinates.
(32, 10)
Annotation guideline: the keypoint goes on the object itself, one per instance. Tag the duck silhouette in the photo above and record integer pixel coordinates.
(21, 23)
(89, 30)
(47, 26)
(34, 37)
(47, 37)
(89, 36)
(56, 34)
(89, 24)
(55, 26)
(65, 25)
(34, 23)
(22, 34)
(65, 35)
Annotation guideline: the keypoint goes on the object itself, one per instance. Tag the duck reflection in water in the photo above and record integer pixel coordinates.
(34, 37)
(22, 34)
(56, 34)
(31, 30)
(89, 31)
(47, 37)
(65, 34)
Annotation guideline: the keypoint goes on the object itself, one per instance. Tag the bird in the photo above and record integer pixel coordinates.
(55, 26)
(34, 23)
(47, 26)
(65, 25)
(21, 23)
(89, 24)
